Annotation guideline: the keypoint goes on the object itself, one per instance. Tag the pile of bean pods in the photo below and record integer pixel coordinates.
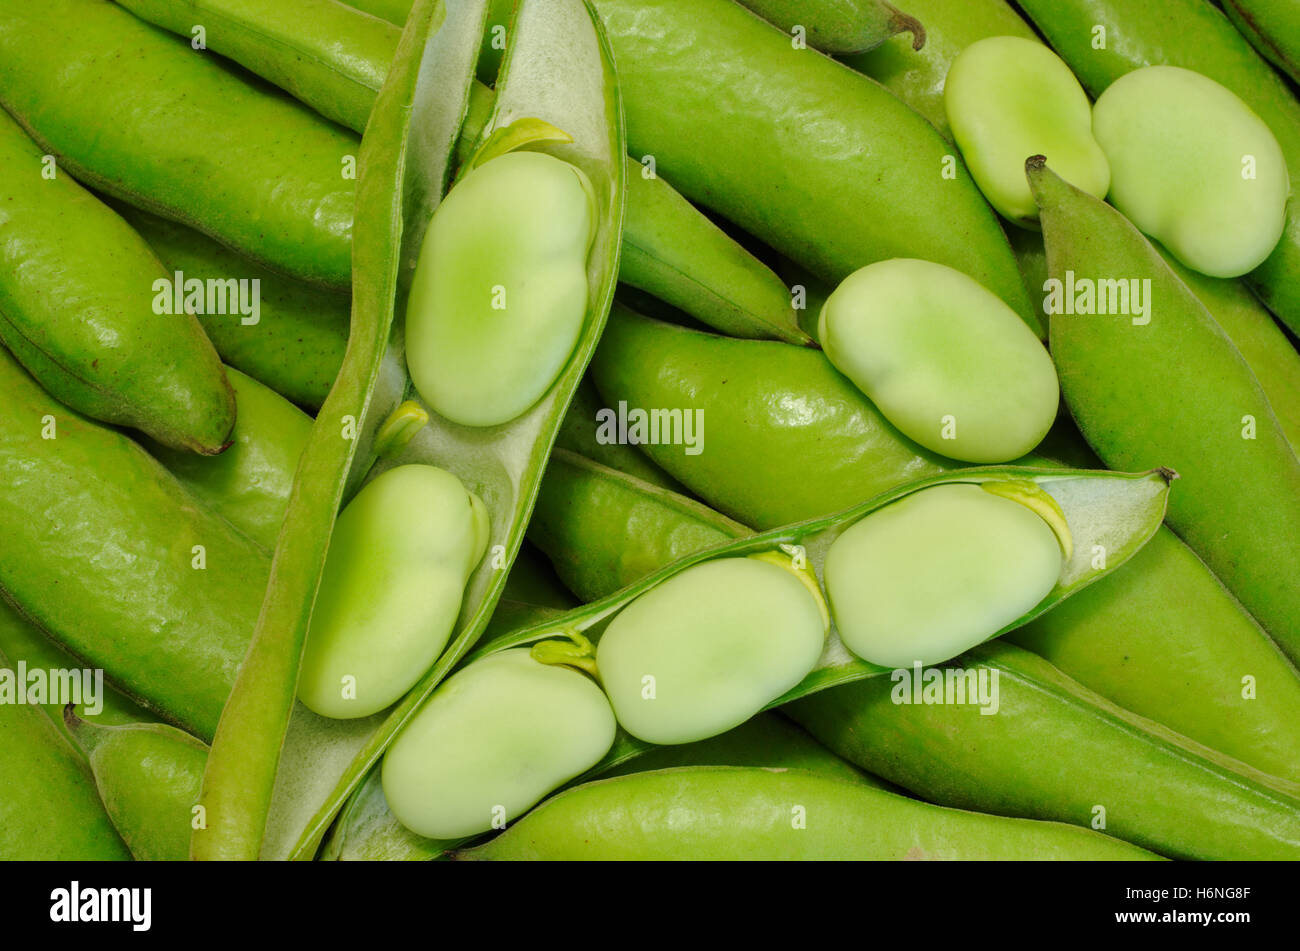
(649, 429)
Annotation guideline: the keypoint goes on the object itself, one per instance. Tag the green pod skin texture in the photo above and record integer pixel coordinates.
(935, 573)
(918, 77)
(1251, 328)
(391, 591)
(297, 344)
(1159, 790)
(342, 89)
(857, 179)
(840, 26)
(499, 294)
(786, 437)
(394, 11)
(681, 257)
(1008, 98)
(188, 138)
(76, 308)
(1273, 28)
(1177, 143)
(1237, 311)
(48, 806)
(768, 740)
(943, 359)
(708, 648)
(148, 777)
(579, 433)
(733, 813)
(1176, 390)
(491, 742)
(22, 642)
(100, 553)
(1163, 638)
(635, 527)
(1195, 35)
(248, 485)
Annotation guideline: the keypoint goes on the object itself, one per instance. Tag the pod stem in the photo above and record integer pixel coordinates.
(577, 652)
(1035, 498)
(400, 428)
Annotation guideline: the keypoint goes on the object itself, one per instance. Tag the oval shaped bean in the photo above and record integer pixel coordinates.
(709, 648)
(394, 575)
(937, 572)
(1008, 98)
(500, 290)
(748, 813)
(1194, 167)
(945, 360)
(492, 741)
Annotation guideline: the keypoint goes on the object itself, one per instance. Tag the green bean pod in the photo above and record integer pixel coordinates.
(248, 484)
(1054, 750)
(785, 436)
(1163, 638)
(746, 814)
(294, 342)
(1202, 409)
(1121, 509)
(23, 642)
(1201, 665)
(148, 777)
(1103, 40)
(118, 563)
(78, 309)
(918, 77)
(1273, 28)
(48, 806)
(871, 181)
(840, 26)
(1237, 311)
(557, 71)
(138, 114)
(394, 11)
